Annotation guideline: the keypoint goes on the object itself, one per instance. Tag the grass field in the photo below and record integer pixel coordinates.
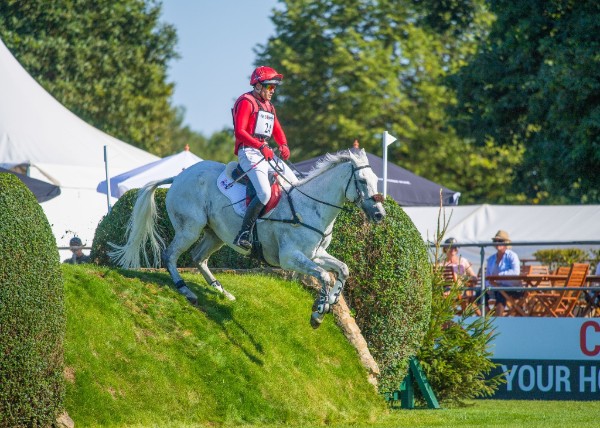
(137, 355)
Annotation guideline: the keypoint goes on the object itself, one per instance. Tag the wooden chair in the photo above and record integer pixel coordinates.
(561, 303)
(529, 302)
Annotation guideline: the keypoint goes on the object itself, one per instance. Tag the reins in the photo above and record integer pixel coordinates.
(296, 219)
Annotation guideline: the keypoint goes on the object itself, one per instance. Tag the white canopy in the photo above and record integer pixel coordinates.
(524, 223)
(157, 170)
(35, 129)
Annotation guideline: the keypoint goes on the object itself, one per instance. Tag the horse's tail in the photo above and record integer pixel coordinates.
(141, 229)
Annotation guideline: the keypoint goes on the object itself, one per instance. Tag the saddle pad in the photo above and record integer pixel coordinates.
(236, 192)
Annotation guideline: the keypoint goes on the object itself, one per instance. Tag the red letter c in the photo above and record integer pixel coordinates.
(583, 341)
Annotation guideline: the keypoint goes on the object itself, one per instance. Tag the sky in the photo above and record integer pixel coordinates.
(216, 41)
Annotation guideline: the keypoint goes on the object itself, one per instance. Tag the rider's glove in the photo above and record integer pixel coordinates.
(285, 151)
(266, 152)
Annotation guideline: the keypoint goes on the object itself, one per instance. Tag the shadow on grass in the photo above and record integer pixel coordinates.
(208, 303)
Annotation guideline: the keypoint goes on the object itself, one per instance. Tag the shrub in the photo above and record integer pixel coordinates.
(113, 227)
(389, 289)
(455, 353)
(32, 320)
(562, 257)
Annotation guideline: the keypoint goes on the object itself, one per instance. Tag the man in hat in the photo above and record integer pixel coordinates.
(504, 262)
(76, 248)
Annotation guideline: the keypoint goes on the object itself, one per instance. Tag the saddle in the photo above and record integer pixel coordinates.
(234, 171)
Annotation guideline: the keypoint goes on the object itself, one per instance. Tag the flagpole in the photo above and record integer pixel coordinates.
(384, 164)
(386, 141)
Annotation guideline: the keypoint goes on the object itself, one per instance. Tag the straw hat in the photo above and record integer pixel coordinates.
(501, 236)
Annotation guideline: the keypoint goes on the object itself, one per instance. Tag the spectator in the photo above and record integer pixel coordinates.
(504, 262)
(461, 267)
(78, 257)
(462, 271)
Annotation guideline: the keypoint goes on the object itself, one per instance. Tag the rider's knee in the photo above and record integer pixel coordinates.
(263, 195)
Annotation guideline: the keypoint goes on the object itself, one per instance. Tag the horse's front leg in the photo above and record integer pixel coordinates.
(330, 263)
(298, 262)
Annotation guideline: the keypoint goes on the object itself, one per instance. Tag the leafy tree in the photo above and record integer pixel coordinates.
(536, 82)
(104, 60)
(355, 68)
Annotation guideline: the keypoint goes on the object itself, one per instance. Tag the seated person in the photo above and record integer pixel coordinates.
(78, 257)
(504, 262)
(461, 268)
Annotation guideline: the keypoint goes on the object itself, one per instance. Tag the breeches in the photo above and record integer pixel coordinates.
(258, 174)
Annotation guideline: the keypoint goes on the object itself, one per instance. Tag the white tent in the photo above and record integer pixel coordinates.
(157, 170)
(567, 224)
(36, 130)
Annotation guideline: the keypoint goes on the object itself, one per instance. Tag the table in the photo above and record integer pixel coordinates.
(522, 306)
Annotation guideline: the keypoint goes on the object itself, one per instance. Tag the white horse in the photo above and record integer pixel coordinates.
(295, 236)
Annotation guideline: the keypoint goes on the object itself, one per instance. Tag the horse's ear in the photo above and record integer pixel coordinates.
(354, 159)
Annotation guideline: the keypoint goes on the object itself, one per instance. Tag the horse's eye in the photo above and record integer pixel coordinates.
(378, 197)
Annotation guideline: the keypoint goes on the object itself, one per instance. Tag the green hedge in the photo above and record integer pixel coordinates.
(389, 289)
(32, 320)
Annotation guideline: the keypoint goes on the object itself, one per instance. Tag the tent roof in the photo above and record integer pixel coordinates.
(405, 187)
(157, 170)
(36, 129)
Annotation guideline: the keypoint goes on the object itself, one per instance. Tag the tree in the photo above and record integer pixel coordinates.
(105, 60)
(356, 68)
(536, 82)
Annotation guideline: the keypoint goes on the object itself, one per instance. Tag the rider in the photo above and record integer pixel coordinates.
(255, 122)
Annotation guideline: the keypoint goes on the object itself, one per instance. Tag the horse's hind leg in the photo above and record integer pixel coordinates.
(184, 238)
(200, 254)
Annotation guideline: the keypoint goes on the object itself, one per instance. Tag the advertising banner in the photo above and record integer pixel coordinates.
(547, 358)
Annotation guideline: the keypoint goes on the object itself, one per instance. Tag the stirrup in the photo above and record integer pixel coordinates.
(243, 240)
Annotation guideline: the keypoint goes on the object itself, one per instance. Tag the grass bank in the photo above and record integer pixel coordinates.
(138, 355)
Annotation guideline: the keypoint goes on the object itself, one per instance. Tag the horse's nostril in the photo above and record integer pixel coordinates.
(378, 217)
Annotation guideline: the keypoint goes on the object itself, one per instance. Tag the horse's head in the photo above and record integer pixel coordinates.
(362, 187)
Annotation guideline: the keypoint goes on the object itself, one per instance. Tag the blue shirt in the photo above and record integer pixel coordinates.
(508, 265)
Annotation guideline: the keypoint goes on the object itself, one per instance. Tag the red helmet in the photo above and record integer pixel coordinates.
(265, 75)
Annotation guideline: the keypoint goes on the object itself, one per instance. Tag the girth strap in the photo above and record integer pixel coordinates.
(295, 219)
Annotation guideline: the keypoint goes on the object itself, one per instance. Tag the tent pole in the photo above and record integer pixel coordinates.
(107, 179)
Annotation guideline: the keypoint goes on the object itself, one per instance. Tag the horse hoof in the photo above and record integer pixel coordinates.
(192, 298)
(228, 295)
(315, 320)
(216, 284)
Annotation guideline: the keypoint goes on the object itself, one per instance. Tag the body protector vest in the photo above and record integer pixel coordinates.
(263, 115)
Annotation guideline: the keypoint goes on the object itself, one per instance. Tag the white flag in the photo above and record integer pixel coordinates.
(388, 138)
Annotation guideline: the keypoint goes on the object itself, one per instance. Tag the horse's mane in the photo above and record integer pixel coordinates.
(326, 163)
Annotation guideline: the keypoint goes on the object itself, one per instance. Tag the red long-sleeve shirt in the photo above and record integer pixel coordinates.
(244, 119)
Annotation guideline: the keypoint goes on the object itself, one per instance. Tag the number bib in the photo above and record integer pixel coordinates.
(264, 124)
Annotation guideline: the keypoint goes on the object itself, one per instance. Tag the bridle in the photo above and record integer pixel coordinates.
(378, 197)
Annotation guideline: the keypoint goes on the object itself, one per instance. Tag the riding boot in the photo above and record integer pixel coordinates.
(243, 238)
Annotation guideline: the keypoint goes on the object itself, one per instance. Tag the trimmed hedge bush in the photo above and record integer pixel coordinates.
(32, 313)
(389, 289)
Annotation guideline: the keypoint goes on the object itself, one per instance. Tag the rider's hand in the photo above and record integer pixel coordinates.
(267, 152)
(285, 151)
